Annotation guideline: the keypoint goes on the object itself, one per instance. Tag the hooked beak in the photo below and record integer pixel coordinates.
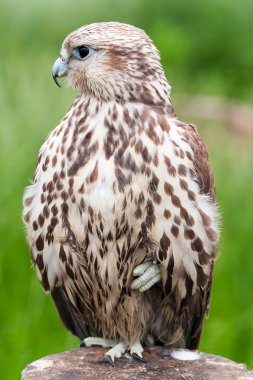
(60, 69)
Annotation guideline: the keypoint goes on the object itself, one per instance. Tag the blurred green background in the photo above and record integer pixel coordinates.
(206, 49)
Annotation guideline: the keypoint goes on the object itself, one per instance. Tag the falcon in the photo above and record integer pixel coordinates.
(121, 216)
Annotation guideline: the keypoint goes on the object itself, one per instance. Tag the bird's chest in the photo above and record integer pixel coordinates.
(100, 189)
(109, 211)
(106, 177)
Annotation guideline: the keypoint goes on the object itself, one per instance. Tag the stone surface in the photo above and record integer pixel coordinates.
(88, 363)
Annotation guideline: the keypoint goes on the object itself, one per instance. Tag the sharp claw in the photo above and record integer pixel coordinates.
(138, 357)
(109, 360)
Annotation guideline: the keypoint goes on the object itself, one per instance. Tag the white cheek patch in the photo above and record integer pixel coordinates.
(185, 355)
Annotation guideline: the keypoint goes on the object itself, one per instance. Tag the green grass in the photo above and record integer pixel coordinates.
(203, 51)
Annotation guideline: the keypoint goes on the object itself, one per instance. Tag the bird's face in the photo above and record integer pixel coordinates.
(110, 61)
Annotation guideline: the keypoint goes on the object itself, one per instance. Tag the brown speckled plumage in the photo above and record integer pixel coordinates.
(118, 182)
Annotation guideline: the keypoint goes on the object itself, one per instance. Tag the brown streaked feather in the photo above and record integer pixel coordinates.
(67, 314)
(205, 180)
(194, 331)
(203, 170)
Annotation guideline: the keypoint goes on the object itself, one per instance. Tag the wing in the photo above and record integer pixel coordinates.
(202, 167)
(68, 315)
(72, 316)
(205, 179)
(189, 308)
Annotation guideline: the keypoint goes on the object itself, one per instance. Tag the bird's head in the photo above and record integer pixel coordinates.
(112, 61)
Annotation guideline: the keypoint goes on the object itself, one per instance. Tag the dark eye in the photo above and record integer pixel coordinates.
(83, 51)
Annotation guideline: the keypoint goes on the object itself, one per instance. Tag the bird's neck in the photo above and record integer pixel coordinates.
(155, 93)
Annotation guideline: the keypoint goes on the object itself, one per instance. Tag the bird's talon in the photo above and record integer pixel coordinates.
(139, 358)
(109, 360)
(115, 352)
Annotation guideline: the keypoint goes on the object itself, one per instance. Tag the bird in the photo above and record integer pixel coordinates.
(121, 216)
